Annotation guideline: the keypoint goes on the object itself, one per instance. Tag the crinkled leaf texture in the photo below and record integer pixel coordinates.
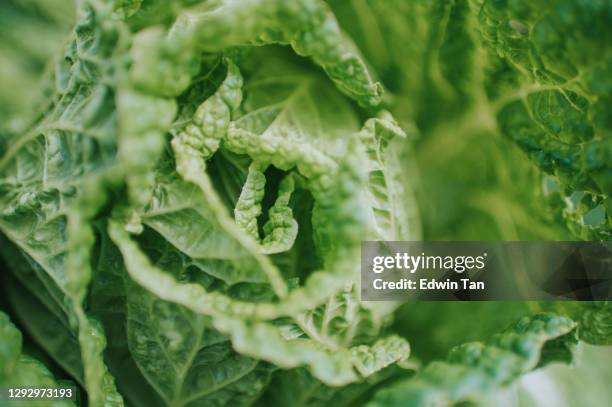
(186, 208)
(181, 213)
(20, 370)
(535, 71)
(475, 369)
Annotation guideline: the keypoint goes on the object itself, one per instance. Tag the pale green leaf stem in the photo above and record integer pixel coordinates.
(475, 369)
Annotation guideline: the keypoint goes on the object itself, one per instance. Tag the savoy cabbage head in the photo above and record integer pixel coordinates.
(185, 185)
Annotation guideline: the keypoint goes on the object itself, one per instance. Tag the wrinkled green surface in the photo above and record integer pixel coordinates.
(18, 369)
(474, 368)
(184, 186)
